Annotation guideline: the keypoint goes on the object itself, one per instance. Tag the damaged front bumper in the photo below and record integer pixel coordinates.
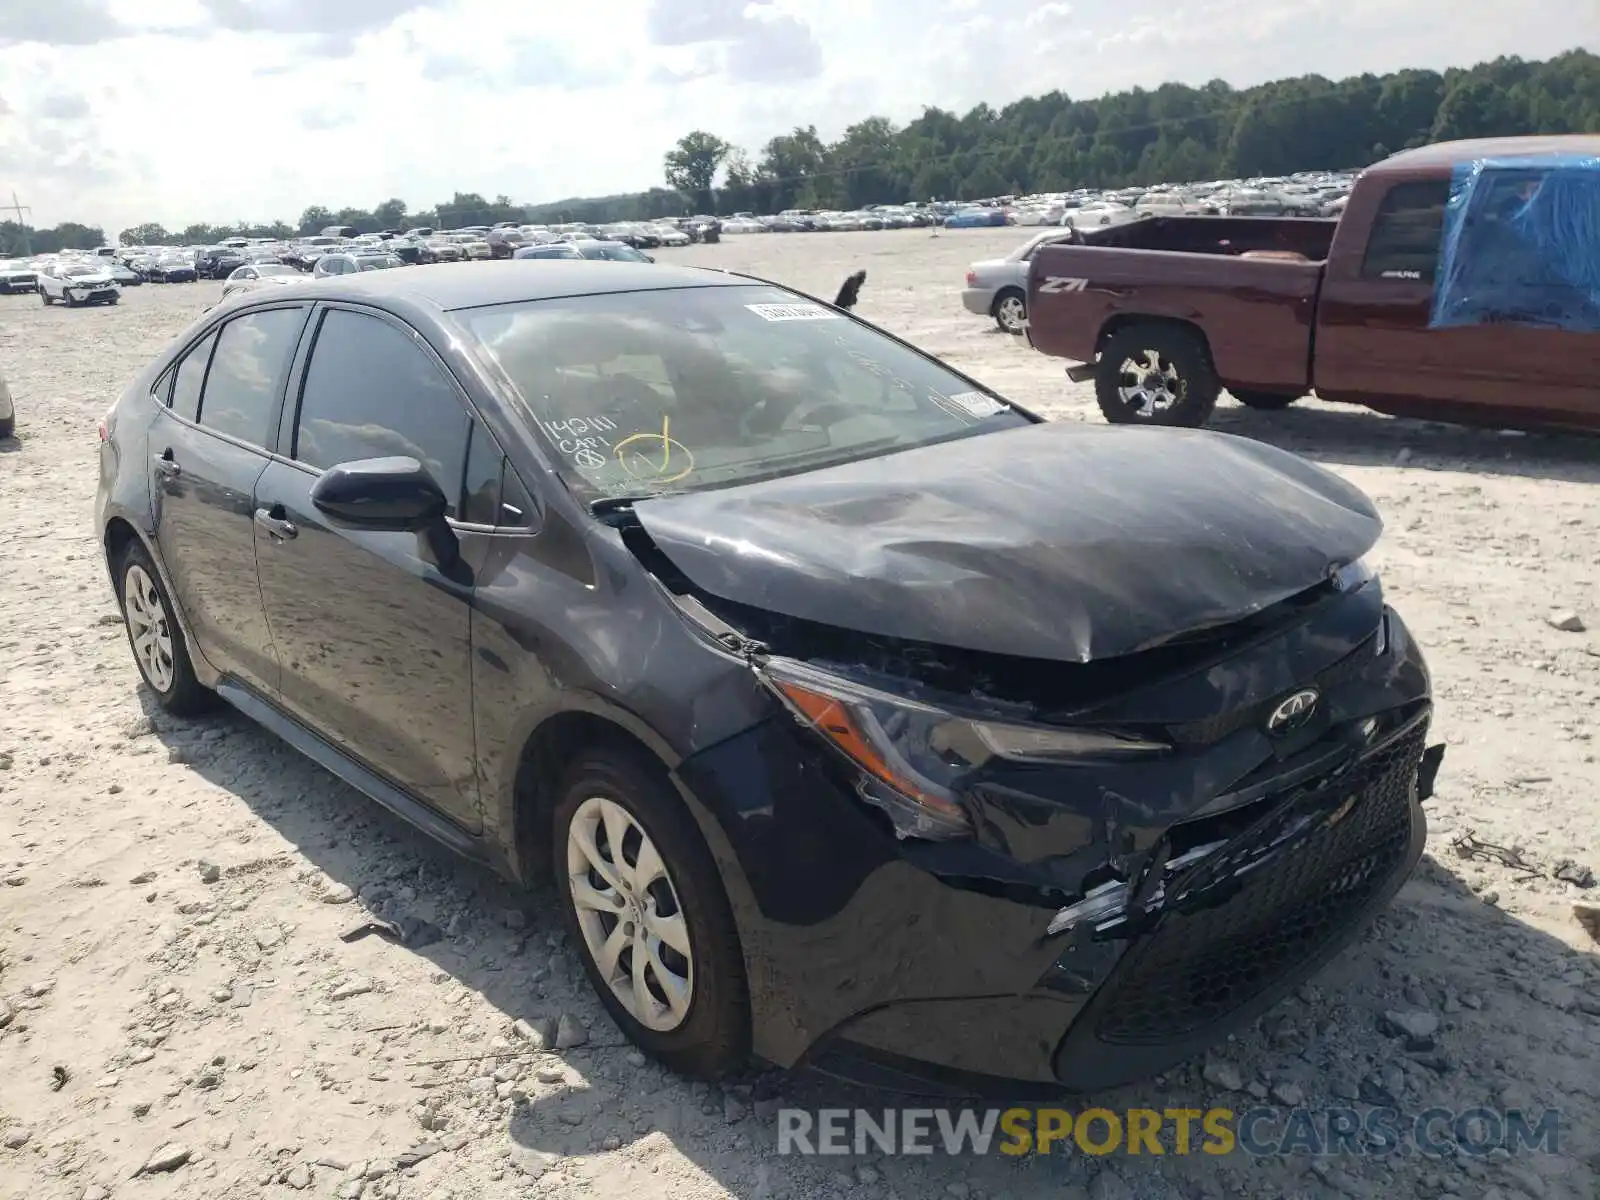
(1054, 953)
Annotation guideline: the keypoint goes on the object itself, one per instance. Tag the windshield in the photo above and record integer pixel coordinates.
(680, 389)
(266, 269)
(77, 270)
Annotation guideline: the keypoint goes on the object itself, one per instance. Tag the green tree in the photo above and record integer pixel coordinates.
(315, 219)
(691, 166)
(391, 214)
(151, 233)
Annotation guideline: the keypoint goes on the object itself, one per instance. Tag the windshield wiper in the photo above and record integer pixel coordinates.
(614, 504)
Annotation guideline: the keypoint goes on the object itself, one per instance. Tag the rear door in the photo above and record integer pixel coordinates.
(372, 632)
(209, 445)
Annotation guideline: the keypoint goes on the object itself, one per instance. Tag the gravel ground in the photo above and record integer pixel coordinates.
(180, 1017)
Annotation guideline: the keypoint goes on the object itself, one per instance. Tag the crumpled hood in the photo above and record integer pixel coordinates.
(1059, 541)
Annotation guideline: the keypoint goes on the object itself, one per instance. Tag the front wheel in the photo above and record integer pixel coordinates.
(649, 916)
(1153, 373)
(1264, 401)
(158, 645)
(44, 298)
(1011, 311)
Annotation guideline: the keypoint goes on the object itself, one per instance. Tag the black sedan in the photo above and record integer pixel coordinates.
(862, 720)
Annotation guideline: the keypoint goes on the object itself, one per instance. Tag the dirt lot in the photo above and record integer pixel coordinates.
(177, 996)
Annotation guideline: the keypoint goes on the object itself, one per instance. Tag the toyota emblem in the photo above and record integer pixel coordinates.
(1293, 711)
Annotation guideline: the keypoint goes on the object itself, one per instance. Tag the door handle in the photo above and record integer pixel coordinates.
(166, 466)
(275, 525)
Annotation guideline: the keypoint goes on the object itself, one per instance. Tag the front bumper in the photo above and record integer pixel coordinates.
(922, 968)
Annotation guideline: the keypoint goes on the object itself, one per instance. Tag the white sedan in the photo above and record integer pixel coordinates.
(75, 283)
(246, 279)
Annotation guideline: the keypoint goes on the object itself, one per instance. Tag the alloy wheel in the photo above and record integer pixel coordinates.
(149, 627)
(1012, 311)
(1149, 383)
(628, 912)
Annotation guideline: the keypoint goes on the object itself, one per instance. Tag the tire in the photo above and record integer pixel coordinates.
(1010, 310)
(1264, 401)
(141, 595)
(112, 299)
(44, 298)
(8, 427)
(711, 1037)
(1181, 384)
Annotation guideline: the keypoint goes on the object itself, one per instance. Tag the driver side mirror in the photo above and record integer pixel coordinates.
(394, 494)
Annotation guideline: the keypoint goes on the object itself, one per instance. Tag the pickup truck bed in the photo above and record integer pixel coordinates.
(1164, 313)
(1254, 281)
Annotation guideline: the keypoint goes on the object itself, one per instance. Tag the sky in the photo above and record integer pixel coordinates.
(116, 112)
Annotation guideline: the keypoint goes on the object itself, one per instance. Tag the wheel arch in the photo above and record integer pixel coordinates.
(1120, 321)
(118, 535)
(1008, 290)
(547, 748)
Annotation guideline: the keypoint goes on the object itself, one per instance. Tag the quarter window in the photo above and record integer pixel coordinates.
(190, 375)
(372, 392)
(247, 372)
(1404, 243)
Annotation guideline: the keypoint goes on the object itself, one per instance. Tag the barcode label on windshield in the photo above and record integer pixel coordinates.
(977, 404)
(792, 312)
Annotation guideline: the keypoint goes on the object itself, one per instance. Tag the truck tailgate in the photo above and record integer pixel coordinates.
(1257, 315)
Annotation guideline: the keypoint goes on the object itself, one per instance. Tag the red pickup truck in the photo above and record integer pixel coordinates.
(1165, 312)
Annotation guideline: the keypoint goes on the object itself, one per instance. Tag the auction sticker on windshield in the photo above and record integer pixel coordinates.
(792, 312)
(973, 404)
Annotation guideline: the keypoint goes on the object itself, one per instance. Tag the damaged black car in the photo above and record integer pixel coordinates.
(862, 720)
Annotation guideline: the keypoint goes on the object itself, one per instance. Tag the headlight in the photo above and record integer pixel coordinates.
(917, 760)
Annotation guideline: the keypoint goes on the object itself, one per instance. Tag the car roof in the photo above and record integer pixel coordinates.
(448, 286)
(1448, 154)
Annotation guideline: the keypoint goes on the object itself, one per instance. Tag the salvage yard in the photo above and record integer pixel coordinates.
(193, 1003)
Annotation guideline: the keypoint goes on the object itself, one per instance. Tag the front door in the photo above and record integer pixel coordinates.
(208, 449)
(373, 637)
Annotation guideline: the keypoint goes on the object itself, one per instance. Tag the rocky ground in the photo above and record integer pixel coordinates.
(184, 1011)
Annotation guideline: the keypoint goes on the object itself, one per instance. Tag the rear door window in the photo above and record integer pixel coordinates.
(190, 375)
(1404, 243)
(247, 373)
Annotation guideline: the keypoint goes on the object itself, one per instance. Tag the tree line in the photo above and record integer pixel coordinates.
(1040, 143)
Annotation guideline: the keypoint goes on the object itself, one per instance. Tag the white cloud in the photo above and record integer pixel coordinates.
(120, 111)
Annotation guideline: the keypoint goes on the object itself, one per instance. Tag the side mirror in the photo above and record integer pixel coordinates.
(394, 494)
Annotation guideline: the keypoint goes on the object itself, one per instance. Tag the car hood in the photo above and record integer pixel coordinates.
(1059, 541)
(91, 280)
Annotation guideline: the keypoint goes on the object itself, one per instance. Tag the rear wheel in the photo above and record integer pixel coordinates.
(1265, 401)
(157, 640)
(1011, 310)
(649, 916)
(1152, 373)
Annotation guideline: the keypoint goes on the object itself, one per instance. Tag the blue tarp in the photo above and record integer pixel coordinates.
(1521, 244)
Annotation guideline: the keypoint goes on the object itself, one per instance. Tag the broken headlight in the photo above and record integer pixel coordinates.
(915, 757)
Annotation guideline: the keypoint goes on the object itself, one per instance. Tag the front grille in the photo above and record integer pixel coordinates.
(1213, 729)
(1246, 915)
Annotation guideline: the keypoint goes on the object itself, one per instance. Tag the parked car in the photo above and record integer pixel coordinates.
(1165, 313)
(998, 287)
(257, 275)
(976, 217)
(124, 275)
(218, 262)
(611, 252)
(8, 411)
(353, 264)
(75, 283)
(803, 742)
(172, 268)
(18, 275)
(504, 242)
(551, 250)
